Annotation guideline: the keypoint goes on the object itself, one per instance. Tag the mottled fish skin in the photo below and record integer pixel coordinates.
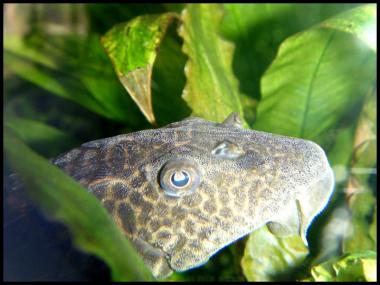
(248, 179)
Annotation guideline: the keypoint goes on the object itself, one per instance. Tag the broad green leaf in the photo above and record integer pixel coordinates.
(65, 200)
(360, 266)
(267, 256)
(257, 31)
(211, 89)
(132, 48)
(43, 138)
(360, 22)
(317, 77)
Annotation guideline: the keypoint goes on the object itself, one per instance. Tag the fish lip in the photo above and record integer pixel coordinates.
(319, 193)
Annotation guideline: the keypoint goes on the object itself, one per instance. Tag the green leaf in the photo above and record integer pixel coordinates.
(364, 156)
(67, 201)
(72, 67)
(339, 154)
(267, 256)
(45, 139)
(52, 81)
(358, 233)
(318, 77)
(18, 46)
(360, 22)
(344, 157)
(211, 89)
(373, 227)
(360, 196)
(30, 102)
(132, 47)
(360, 266)
(363, 163)
(361, 201)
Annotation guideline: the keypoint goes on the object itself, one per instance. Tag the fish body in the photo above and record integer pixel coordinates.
(183, 192)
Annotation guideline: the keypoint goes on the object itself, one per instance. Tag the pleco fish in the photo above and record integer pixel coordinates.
(183, 192)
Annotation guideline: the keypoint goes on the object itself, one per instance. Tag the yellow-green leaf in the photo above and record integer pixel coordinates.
(360, 266)
(211, 90)
(267, 255)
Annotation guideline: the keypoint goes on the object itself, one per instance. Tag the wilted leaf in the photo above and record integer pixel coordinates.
(133, 47)
(360, 266)
(318, 77)
(67, 201)
(360, 21)
(211, 89)
(266, 255)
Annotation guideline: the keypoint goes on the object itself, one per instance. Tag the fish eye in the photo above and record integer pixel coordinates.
(179, 177)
